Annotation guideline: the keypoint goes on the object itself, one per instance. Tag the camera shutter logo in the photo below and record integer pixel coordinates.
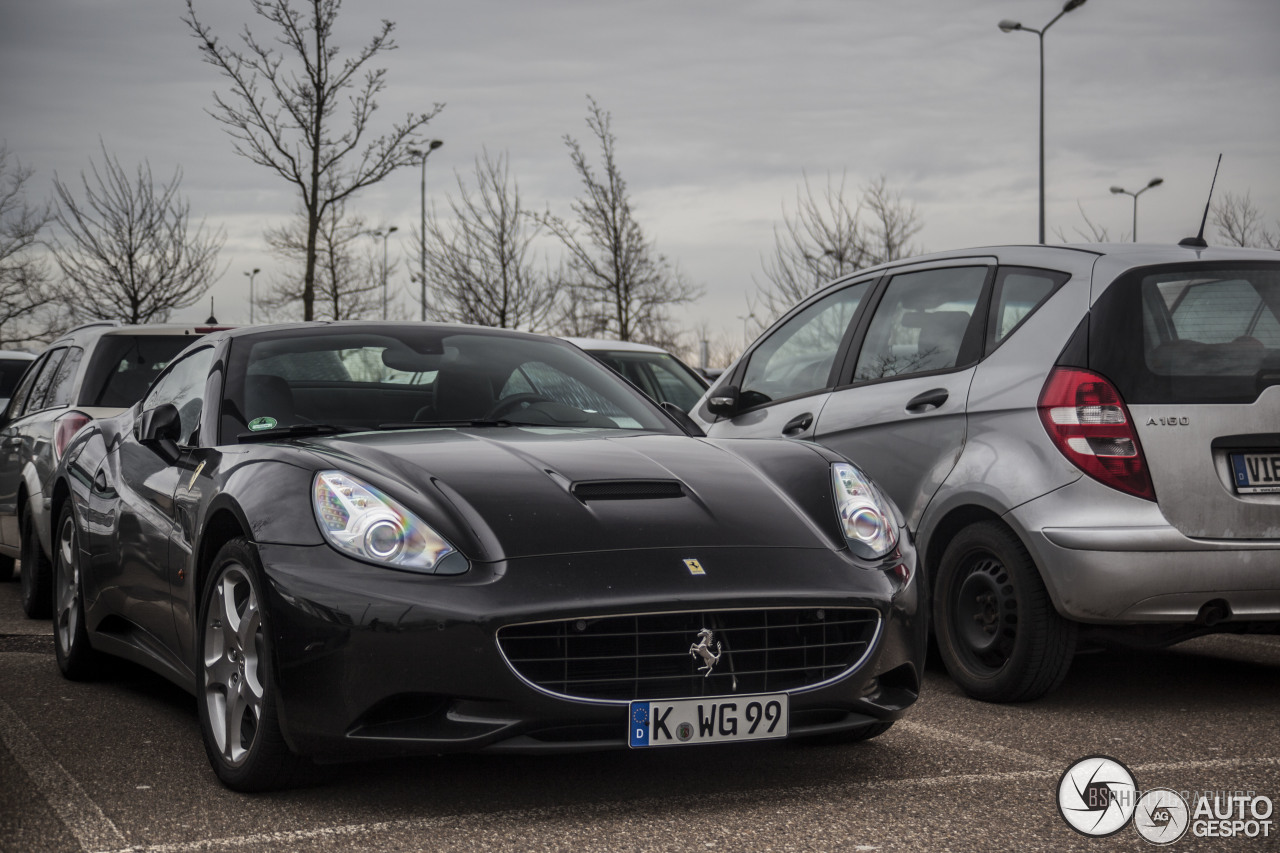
(1162, 816)
(1097, 796)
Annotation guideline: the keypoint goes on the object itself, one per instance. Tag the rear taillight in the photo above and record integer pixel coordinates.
(64, 428)
(1088, 422)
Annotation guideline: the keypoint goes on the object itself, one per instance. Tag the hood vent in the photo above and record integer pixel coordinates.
(626, 490)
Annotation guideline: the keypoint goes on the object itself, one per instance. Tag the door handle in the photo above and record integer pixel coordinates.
(931, 399)
(798, 424)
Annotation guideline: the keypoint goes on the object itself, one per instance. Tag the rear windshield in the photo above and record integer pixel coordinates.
(1209, 334)
(123, 366)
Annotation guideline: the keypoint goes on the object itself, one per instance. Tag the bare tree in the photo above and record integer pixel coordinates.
(347, 282)
(28, 305)
(1090, 233)
(1239, 223)
(623, 284)
(283, 115)
(479, 257)
(828, 236)
(128, 250)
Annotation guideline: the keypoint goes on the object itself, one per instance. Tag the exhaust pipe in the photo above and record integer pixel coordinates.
(1213, 612)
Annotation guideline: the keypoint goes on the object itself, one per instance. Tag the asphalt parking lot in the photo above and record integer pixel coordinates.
(117, 765)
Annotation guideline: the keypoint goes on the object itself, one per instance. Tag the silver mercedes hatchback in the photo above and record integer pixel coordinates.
(1085, 439)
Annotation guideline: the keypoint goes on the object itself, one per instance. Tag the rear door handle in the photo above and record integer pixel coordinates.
(798, 424)
(931, 399)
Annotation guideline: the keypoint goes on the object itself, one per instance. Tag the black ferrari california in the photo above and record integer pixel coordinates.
(363, 539)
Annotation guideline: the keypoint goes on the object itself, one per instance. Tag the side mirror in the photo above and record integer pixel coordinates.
(161, 429)
(681, 417)
(723, 401)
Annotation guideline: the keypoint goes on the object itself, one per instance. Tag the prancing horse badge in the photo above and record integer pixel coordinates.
(695, 568)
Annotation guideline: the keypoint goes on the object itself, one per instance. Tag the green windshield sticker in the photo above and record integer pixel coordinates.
(261, 423)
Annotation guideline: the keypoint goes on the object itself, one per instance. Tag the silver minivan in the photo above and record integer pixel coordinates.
(1085, 439)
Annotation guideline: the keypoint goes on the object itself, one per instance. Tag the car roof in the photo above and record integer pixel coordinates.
(604, 344)
(17, 355)
(1115, 256)
(111, 328)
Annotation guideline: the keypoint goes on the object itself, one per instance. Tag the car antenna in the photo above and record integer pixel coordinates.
(1197, 242)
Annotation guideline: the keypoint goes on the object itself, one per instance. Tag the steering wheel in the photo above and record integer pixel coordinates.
(509, 404)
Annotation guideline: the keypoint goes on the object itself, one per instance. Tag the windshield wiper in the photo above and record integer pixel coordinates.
(294, 431)
(478, 422)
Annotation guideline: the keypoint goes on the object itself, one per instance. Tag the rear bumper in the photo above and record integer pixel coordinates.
(1108, 558)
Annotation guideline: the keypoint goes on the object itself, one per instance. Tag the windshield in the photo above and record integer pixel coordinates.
(335, 379)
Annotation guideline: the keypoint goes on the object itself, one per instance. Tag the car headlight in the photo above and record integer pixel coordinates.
(359, 520)
(866, 516)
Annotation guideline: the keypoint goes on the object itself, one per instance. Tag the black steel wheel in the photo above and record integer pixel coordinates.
(235, 693)
(76, 658)
(37, 594)
(997, 630)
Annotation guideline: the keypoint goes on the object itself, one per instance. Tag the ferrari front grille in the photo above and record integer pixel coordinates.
(690, 654)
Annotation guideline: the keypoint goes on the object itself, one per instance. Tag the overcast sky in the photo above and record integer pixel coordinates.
(719, 106)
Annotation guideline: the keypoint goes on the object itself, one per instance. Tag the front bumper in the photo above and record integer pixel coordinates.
(373, 661)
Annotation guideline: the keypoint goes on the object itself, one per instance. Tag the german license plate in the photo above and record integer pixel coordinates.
(1256, 473)
(718, 719)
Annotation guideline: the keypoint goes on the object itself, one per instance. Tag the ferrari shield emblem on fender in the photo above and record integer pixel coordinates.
(695, 568)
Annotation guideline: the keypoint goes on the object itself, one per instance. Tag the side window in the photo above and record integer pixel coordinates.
(183, 386)
(922, 324)
(797, 358)
(62, 388)
(40, 388)
(1018, 293)
(24, 388)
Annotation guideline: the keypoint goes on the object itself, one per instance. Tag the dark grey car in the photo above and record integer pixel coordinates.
(1085, 439)
(96, 370)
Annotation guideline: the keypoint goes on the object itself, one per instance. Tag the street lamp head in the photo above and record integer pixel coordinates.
(1155, 182)
(434, 144)
(1117, 190)
(1009, 26)
(393, 228)
(1072, 4)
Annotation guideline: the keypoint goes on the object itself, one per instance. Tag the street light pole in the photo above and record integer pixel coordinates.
(1154, 182)
(385, 236)
(251, 276)
(422, 221)
(1008, 27)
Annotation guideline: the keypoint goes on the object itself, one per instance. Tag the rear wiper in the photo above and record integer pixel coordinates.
(293, 431)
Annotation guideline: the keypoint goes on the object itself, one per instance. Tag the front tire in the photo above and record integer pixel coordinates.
(997, 630)
(236, 683)
(76, 658)
(37, 586)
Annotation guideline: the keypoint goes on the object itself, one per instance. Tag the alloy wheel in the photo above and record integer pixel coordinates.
(233, 665)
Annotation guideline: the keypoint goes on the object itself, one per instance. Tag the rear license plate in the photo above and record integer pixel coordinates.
(717, 719)
(1256, 473)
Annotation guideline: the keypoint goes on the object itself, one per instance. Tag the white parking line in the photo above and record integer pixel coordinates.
(81, 815)
(581, 811)
(973, 743)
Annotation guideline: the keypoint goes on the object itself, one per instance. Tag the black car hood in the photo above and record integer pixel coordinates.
(501, 493)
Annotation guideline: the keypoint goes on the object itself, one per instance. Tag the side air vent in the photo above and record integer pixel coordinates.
(626, 490)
